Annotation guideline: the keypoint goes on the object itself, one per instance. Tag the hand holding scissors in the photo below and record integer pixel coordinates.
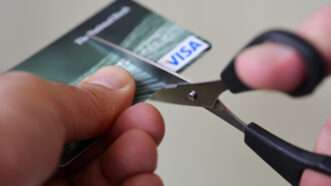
(288, 160)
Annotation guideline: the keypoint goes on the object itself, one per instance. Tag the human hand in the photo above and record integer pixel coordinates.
(260, 66)
(38, 117)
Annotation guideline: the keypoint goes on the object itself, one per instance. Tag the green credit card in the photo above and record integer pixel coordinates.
(75, 56)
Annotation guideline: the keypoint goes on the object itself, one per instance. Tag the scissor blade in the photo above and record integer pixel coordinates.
(199, 94)
(143, 63)
(176, 91)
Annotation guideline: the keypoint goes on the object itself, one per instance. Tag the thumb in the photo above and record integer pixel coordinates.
(97, 102)
(38, 117)
(278, 67)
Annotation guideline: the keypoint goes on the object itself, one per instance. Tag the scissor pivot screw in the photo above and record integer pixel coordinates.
(193, 95)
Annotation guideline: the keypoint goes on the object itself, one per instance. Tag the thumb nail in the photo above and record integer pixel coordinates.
(111, 77)
(270, 66)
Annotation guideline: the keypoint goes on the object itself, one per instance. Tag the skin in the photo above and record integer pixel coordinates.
(38, 117)
(260, 66)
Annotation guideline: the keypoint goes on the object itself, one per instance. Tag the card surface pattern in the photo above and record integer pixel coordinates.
(75, 56)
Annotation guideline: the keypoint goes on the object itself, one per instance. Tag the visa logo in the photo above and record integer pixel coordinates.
(185, 53)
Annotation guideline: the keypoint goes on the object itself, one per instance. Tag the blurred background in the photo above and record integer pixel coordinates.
(199, 149)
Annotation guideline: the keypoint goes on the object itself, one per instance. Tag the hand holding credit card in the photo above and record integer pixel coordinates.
(153, 51)
(77, 54)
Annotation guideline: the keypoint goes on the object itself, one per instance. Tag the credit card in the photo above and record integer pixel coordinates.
(130, 25)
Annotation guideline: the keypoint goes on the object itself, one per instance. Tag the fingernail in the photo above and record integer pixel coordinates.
(284, 53)
(111, 77)
(270, 53)
(270, 66)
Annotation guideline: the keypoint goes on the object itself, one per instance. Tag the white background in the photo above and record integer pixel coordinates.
(199, 149)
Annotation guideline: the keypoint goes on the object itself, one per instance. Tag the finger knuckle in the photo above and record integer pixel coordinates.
(23, 76)
(21, 81)
(322, 18)
(327, 125)
(98, 106)
(324, 12)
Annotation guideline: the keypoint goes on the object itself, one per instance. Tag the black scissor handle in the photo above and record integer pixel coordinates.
(288, 160)
(314, 62)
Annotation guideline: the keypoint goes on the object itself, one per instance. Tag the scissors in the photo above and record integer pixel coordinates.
(288, 160)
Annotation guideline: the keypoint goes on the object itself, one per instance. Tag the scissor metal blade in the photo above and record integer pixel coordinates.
(178, 89)
(202, 94)
(145, 64)
(199, 94)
